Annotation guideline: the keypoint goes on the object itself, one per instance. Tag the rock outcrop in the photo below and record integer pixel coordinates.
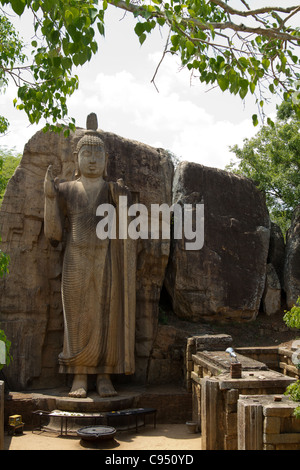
(276, 254)
(226, 278)
(271, 300)
(292, 261)
(223, 280)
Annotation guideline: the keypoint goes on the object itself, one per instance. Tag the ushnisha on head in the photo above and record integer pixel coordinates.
(90, 149)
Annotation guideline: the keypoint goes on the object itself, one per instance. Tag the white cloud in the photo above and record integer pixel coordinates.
(209, 144)
(176, 121)
(132, 108)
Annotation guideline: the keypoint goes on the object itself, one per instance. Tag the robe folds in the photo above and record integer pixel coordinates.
(98, 283)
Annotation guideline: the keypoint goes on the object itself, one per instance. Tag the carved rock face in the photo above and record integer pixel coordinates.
(30, 304)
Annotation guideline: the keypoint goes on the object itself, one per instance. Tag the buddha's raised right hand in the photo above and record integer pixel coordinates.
(50, 185)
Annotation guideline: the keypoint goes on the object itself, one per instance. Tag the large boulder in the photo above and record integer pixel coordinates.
(225, 279)
(271, 301)
(30, 297)
(292, 261)
(276, 254)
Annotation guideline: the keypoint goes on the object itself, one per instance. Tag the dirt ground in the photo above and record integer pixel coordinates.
(163, 437)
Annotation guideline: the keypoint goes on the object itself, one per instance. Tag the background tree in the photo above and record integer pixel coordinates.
(10, 53)
(241, 50)
(7, 343)
(9, 160)
(272, 160)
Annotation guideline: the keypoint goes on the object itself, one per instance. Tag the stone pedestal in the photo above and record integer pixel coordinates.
(250, 425)
(173, 403)
(210, 419)
(93, 403)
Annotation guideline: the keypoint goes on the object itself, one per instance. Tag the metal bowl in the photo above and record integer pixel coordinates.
(93, 433)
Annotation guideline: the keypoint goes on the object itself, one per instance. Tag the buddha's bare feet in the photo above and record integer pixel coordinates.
(79, 386)
(104, 386)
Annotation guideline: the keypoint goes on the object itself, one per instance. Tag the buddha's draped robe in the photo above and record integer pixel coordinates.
(98, 284)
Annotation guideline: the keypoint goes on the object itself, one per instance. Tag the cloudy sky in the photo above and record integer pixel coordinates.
(196, 123)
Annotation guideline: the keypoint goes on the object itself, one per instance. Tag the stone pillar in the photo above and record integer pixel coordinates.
(250, 425)
(212, 414)
(190, 350)
(1, 415)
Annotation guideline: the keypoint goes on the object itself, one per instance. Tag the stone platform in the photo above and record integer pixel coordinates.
(173, 403)
(92, 403)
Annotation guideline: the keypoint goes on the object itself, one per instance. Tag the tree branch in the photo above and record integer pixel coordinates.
(258, 11)
(161, 60)
(266, 32)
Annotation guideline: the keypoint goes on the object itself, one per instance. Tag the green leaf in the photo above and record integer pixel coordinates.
(100, 27)
(223, 82)
(161, 21)
(243, 90)
(254, 120)
(55, 36)
(175, 40)
(142, 38)
(244, 62)
(18, 6)
(190, 47)
(252, 87)
(265, 63)
(139, 28)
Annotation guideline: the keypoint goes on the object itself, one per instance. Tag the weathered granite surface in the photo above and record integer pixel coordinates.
(226, 278)
(30, 298)
(271, 300)
(276, 254)
(292, 261)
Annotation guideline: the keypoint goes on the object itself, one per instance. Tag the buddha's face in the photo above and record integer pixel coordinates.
(91, 161)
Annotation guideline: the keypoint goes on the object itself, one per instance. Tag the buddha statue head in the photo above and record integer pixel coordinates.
(90, 155)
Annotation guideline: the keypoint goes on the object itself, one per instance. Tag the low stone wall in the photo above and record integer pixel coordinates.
(216, 392)
(266, 354)
(267, 423)
(1, 415)
(276, 358)
(201, 343)
(287, 362)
